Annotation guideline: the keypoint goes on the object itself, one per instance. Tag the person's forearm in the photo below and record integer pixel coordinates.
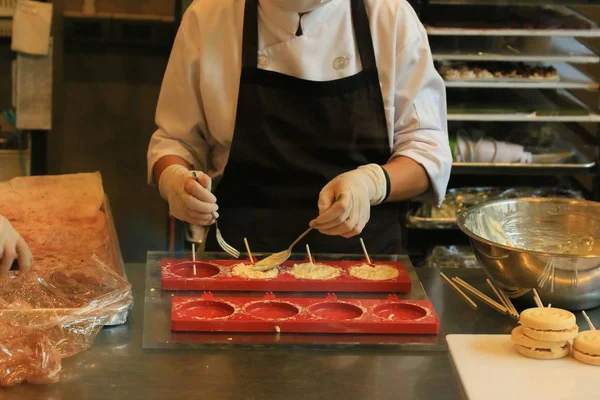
(408, 179)
(166, 162)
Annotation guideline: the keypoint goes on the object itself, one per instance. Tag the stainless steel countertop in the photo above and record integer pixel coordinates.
(117, 367)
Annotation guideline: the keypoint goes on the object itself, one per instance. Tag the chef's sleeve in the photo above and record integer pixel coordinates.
(179, 113)
(420, 115)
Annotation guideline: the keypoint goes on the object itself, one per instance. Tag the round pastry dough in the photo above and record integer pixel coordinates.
(374, 273)
(245, 271)
(586, 347)
(551, 336)
(521, 340)
(544, 354)
(542, 318)
(315, 271)
(586, 358)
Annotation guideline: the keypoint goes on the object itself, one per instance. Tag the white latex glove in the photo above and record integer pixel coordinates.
(12, 247)
(345, 202)
(189, 200)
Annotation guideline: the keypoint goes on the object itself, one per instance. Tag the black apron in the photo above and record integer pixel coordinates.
(292, 136)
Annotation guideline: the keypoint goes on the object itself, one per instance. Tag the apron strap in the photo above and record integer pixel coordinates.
(250, 36)
(362, 32)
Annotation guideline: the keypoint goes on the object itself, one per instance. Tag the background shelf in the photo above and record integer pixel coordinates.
(515, 49)
(516, 2)
(570, 78)
(545, 21)
(517, 105)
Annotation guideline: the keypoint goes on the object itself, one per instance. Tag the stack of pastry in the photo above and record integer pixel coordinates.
(545, 333)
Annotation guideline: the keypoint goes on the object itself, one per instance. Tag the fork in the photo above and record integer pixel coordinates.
(227, 248)
(274, 260)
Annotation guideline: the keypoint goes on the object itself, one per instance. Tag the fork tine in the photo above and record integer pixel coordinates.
(231, 248)
(227, 247)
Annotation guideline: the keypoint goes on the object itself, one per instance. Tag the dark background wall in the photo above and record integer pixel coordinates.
(104, 103)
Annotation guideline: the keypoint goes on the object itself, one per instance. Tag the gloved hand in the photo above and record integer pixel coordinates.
(189, 200)
(345, 202)
(12, 247)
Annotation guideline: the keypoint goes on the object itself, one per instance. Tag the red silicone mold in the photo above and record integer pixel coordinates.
(218, 275)
(303, 314)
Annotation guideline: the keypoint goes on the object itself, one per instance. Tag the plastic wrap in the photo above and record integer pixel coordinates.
(52, 313)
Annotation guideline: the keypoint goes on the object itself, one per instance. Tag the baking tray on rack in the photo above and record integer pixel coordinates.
(544, 20)
(505, 3)
(518, 106)
(524, 49)
(567, 77)
(121, 313)
(543, 139)
(459, 199)
(177, 274)
(303, 315)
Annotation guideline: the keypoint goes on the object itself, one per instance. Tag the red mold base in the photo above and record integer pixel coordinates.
(303, 315)
(217, 275)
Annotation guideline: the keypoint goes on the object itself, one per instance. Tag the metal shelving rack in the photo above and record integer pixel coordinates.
(564, 52)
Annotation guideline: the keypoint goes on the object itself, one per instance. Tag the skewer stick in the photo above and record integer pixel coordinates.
(194, 257)
(500, 297)
(508, 302)
(248, 250)
(458, 290)
(589, 321)
(362, 243)
(487, 300)
(536, 298)
(310, 259)
(511, 306)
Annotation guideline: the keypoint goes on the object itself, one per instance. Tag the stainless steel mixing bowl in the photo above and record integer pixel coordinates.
(550, 244)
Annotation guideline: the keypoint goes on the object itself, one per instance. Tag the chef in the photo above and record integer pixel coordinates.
(326, 112)
(12, 247)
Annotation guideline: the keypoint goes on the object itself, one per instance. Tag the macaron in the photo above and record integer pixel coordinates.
(549, 324)
(538, 349)
(586, 347)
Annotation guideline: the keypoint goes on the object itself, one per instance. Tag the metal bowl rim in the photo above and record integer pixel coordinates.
(460, 221)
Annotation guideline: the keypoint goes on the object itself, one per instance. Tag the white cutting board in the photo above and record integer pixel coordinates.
(490, 369)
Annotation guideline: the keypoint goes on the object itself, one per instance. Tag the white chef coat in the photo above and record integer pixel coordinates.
(198, 100)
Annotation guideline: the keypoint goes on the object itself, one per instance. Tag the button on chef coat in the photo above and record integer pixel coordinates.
(197, 104)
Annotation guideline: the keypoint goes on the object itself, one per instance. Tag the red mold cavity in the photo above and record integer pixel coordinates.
(400, 312)
(272, 309)
(336, 311)
(186, 270)
(207, 309)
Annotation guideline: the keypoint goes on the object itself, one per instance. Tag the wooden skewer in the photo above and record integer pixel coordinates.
(310, 259)
(248, 250)
(486, 299)
(362, 243)
(536, 298)
(500, 297)
(194, 257)
(589, 321)
(511, 306)
(458, 290)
